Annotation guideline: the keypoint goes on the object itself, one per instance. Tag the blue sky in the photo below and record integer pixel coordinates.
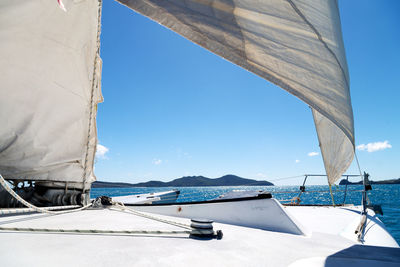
(173, 109)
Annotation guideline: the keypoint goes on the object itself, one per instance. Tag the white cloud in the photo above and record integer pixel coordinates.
(183, 154)
(297, 161)
(157, 161)
(261, 175)
(313, 154)
(101, 151)
(372, 147)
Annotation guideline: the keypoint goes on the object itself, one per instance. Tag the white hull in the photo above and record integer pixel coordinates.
(157, 197)
(269, 214)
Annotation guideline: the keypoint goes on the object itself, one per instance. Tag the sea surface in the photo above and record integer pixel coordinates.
(388, 196)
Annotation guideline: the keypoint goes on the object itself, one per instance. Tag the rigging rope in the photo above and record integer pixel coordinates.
(26, 210)
(117, 205)
(286, 178)
(122, 207)
(95, 231)
(358, 164)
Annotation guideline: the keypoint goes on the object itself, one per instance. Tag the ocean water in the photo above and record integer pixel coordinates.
(388, 196)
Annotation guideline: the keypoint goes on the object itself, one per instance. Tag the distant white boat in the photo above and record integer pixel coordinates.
(149, 198)
(50, 72)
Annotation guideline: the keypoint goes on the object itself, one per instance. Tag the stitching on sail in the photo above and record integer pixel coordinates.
(94, 81)
(319, 37)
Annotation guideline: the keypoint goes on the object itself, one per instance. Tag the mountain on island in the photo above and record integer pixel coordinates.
(391, 181)
(226, 180)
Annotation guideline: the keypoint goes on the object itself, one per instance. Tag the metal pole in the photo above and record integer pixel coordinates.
(302, 188)
(345, 190)
(361, 227)
(367, 187)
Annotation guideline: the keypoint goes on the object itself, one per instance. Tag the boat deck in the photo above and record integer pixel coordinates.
(240, 246)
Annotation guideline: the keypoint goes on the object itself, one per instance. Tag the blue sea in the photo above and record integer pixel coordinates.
(388, 196)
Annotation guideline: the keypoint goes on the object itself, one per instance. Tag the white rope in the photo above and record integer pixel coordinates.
(117, 205)
(122, 207)
(361, 228)
(95, 231)
(33, 207)
(358, 164)
(26, 210)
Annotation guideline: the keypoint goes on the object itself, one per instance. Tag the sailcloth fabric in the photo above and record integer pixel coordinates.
(49, 88)
(295, 44)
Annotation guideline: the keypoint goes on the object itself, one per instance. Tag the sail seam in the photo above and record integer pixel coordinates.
(319, 38)
(274, 78)
(92, 91)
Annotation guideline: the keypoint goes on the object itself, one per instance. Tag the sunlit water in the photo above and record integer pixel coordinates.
(386, 195)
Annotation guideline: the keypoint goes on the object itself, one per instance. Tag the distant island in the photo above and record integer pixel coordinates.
(226, 180)
(391, 181)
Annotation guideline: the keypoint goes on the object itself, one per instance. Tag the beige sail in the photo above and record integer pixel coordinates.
(295, 44)
(50, 85)
(50, 73)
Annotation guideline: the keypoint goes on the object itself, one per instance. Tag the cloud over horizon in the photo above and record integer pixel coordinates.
(313, 154)
(157, 161)
(375, 146)
(101, 151)
(261, 175)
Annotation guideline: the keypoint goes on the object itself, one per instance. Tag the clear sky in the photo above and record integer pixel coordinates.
(173, 109)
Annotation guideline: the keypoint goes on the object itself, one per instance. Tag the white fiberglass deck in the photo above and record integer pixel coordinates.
(240, 246)
(342, 221)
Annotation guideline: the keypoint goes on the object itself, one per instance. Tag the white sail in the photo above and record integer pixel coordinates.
(51, 73)
(295, 44)
(50, 85)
